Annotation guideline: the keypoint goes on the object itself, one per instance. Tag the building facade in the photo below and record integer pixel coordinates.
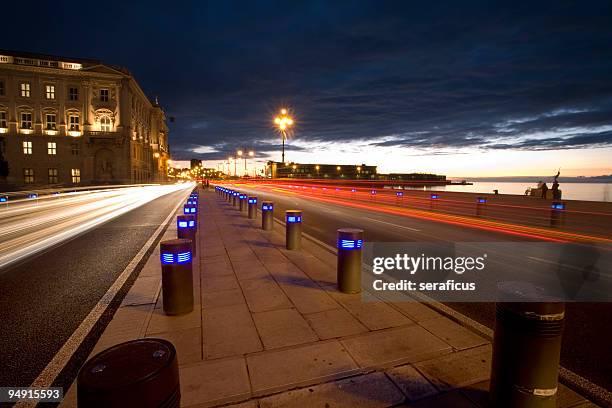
(66, 122)
(320, 171)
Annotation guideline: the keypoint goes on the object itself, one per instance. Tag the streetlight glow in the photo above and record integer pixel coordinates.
(283, 122)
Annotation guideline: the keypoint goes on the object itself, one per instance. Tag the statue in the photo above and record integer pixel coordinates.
(555, 186)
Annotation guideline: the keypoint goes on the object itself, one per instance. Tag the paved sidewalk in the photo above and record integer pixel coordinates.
(270, 330)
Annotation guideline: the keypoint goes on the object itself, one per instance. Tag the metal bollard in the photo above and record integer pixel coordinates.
(350, 241)
(480, 204)
(526, 354)
(4, 199)
(186, 228)
(235, 195)
(557, 213)
(252, 207)
(267, 215)
(229, 195)
(293, 229)
(177, 276)
(190, 209)
(243, 198)
(137, 373)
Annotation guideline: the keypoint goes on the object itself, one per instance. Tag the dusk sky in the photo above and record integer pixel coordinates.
(458, 88)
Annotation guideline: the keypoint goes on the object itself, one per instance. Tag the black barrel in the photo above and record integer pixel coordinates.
(137, 374)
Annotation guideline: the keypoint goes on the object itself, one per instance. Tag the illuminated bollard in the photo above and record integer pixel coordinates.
(190, 209)
(242, 198)
(267, 215)
(373, 194)
(252, 207)
(186, 228)
(293, 229)
(33, 195)
(177, 276)
(433, 200)
(137, 373)
(229, 195)
(557, 213)
(350, 241)
(235, 198)
(4, 199)
(526, 354)
(192, 201)
(480, 204)
(399, 195)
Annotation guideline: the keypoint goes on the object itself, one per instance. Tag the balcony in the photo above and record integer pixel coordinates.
(102, 134)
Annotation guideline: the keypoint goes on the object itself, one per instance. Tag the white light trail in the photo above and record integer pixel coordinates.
(31, 227)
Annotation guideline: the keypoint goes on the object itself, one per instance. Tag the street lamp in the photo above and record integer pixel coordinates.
(283, 122)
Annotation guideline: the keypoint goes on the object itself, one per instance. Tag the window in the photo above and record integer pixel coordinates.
(73, 94)
(28, 176)
(52, 148)
(3, 120)
(74, 148)
(52, 176)
(1, 88)
(76, 175)
(27, 147)
(104, 95)
(25, 89)
(26, 120)
(51, 123)
(50, 91)
(105, 124)
(73, 121)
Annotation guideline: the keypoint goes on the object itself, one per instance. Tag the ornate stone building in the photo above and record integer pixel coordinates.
(66, 121)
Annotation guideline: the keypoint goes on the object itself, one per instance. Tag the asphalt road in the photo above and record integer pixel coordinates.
(586, 347)
(45, 298)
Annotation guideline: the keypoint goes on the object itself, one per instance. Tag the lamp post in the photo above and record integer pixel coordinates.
(283, 123)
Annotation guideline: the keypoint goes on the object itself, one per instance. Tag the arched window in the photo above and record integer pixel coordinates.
(105, 124)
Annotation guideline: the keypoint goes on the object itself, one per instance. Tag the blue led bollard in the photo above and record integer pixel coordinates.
(353, 190)
(4, 199)
(235, 196)
(267, 215)
(243, 199)
(252, 207)
(399, 194)
(186, 228)
(350, 242)
(557, 213)
(190, 209)
(177, 276)
(434, 196)
(480, 204)
(373, 192)
(293, 229)
(32, 195)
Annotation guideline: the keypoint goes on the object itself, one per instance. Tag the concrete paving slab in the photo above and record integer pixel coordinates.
(246, 404)
(454, 334)
(370, 311)
(317, 270)
(249, 269)
(308, 297)
(395, 346)
(282, 328)
(264, 294)
(160, 322)
(334, 323)
(215, 382)
(188, 344)
(222, 298)
(128, 323)
(416, 311)
(373, 390)
(229, 331)
(458, 369)
(450, 399)
(278, 370)
(216, 269)
(143, 291)
(219, 283)
(412, 383)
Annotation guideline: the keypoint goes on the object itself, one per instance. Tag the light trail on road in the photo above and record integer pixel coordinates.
(31, 227)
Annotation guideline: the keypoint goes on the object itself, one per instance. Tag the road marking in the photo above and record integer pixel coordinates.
(59, 361)
(395, 225)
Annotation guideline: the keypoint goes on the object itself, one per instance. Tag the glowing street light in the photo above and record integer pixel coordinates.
(283, 122)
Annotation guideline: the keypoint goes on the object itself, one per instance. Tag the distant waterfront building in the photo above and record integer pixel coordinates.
(331, 171)
(69, 121)
(195, 163)
(346, 172)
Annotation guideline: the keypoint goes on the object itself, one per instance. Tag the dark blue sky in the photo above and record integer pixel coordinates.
(438, 75)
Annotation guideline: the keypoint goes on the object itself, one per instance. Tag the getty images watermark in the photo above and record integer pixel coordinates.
(488, 271)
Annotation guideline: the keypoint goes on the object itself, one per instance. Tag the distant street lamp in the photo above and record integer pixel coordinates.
(284, 123)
